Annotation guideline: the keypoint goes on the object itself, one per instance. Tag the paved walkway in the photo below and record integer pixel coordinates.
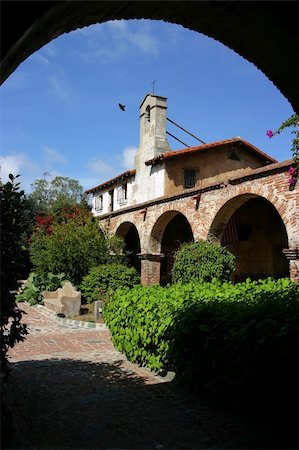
(75, 391)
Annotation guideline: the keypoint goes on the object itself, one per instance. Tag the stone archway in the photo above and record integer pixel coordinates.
(177, 232)
(171, 230)
(264, 33)
(251, 227)
(130, 235)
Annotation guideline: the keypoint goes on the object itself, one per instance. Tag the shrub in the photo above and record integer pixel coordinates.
(13, 223)
(236, 343)
(107, 276)
(37, 283)
(72, 244)
(202, 261)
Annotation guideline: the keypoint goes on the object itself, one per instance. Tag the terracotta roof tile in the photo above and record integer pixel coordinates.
(122, 176)
(186, 151)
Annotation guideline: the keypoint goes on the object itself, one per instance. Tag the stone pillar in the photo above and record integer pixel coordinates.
(292, 254)
(150, 268)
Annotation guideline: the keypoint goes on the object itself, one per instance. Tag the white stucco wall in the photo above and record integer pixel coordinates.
(116, 204)
(149, 184)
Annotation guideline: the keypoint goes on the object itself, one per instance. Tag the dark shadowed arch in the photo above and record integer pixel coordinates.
(129, 233)
(171, 230)
(251, 227)
(264, 33)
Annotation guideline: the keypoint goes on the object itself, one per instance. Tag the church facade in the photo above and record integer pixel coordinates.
(228, 190)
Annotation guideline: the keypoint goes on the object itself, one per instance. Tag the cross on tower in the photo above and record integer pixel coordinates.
(153, 83)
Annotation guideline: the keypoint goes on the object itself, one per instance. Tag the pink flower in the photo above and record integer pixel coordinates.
(292, 171)
(292, 181)
(270, 133)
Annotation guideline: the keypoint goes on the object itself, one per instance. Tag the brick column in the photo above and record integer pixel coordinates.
(150, 268)
(292, 254)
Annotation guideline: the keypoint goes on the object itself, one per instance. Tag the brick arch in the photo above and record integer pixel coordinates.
(228, 204)
(129, 232)
(123, 228)
(157, 231)
(257, 27)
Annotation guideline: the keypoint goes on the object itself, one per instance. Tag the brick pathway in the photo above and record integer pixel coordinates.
(75, 391)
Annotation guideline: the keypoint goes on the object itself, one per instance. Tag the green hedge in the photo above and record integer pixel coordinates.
(95, 285)
(236, 343)
(202, 261)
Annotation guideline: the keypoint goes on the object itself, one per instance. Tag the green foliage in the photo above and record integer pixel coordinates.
(202, 261)
(235, 343)
(52, 195)
(139, 319)
(293, 122)
(37, 283)
(13, 221)
(100, 279)
(72, 243)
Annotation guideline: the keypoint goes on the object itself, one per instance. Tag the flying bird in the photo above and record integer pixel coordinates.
(122, 107)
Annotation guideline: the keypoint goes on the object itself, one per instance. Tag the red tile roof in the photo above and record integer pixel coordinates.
(122, 176)
(190, 150)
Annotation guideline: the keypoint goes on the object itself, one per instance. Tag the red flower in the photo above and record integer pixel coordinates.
(270, 133)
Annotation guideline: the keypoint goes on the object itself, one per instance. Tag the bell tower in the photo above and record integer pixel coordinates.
(153, 139)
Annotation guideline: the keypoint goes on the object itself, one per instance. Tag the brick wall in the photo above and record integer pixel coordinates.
(209, 211)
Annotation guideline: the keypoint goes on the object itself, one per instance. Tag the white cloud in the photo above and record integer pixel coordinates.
(118, 24)
(13, 164)
(128, 157)
(18, 164)
(117, 38)
(58, 87)
(50, 49)
(89, 182)
(99, 166)
(144, 42)
(140, 37)
(52, 157)
(41, 58)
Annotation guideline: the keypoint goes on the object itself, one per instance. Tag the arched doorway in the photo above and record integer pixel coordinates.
(251, 227)
(129, 233)
(171, 230)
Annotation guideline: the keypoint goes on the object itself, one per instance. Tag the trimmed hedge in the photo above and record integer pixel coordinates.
(95, 285)
(236, 343)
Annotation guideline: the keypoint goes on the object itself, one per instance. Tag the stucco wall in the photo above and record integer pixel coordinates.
(211, 165)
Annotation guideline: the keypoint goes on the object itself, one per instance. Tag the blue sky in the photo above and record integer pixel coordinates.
(60, 109)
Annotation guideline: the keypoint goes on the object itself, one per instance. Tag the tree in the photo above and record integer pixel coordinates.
(53, 194)
(13, 222)
(72, 242)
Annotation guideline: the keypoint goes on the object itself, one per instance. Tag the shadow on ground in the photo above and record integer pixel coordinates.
(70, 404)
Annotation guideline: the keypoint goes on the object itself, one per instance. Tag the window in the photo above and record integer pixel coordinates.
(122, 194)
(190, 178)
(98, 202)
(111, 200)
(148, 113)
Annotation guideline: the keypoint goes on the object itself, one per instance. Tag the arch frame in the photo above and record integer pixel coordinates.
(271, 27)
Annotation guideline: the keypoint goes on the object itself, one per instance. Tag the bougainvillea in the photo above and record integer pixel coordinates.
(293, 121)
